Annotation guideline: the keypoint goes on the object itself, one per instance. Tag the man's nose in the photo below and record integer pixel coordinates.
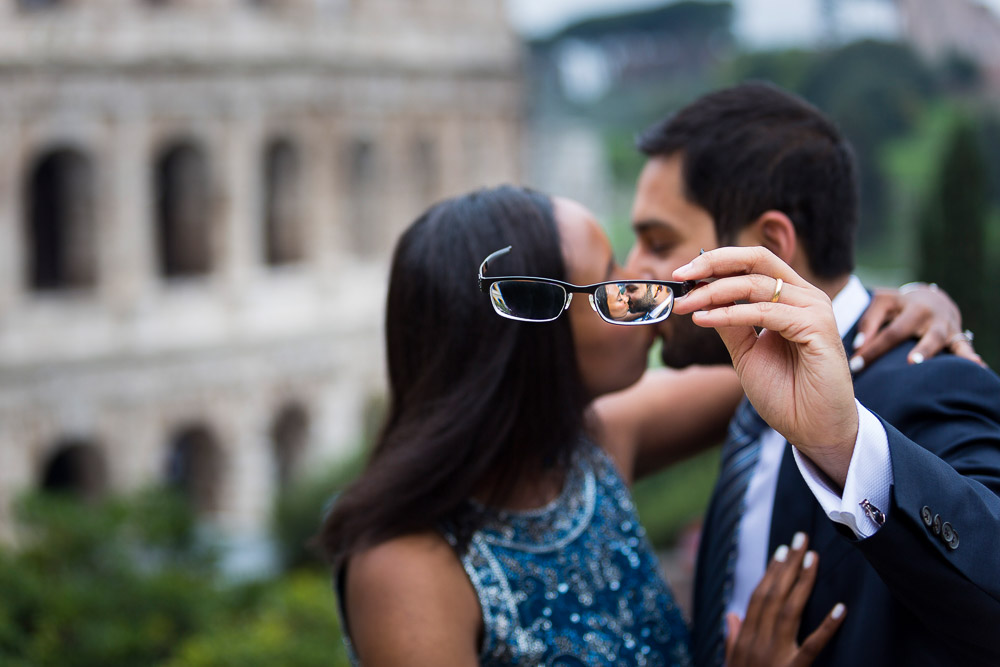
(638, 264)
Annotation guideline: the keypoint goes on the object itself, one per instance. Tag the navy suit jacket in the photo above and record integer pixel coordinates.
(911, 599)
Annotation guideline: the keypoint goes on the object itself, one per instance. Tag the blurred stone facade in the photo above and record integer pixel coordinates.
(937, 29)
(197, 203)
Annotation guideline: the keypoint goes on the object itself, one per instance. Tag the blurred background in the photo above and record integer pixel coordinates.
(198, 199)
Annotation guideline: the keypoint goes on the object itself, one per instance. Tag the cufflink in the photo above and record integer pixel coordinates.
(872, 512)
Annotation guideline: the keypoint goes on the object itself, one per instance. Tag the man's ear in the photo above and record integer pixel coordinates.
(775, 231)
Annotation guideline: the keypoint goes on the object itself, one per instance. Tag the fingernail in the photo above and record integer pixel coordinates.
(798, 540)
(916, 358)
(857, 364)
(781, 554)
(684, 269)
(859, 340)
(808, 561)
(838, 610)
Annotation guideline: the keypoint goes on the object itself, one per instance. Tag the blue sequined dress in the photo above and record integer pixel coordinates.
(575, 582)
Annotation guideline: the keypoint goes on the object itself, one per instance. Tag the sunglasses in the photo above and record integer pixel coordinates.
(529, 299)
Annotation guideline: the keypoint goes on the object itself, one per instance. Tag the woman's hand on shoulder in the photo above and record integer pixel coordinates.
(409, 602)
(916, 310)
(767, 636)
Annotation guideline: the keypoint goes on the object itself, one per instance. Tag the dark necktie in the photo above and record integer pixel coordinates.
(718, 556)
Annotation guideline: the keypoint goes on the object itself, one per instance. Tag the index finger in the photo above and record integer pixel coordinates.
(732, 261)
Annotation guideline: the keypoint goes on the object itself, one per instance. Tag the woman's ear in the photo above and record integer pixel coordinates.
(775, 231)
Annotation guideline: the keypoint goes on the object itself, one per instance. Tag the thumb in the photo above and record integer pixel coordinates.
(733, 624)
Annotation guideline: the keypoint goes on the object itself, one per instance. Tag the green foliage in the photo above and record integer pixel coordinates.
(686, 18)
(671, 500)
(290, 622)
(787, 69)
(128, 582)
(116, 584)
(953, 232)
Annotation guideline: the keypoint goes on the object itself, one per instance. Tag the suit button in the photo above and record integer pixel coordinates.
(936, 524)
(953, 542)
(947, 532)
(925, 514)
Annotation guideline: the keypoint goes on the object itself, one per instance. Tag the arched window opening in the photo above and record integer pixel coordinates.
(283, 233)
(183, 211)
(361, 193)
(75, 468)
(426, 170)
(61, 234)
(194, 467)
(289, 434)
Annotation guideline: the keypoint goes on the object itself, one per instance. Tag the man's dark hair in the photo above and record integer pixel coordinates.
(753, 148)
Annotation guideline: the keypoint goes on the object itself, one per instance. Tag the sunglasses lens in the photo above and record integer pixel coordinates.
(527, 299)
(634, 303)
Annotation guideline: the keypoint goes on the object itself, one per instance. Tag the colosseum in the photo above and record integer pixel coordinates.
(197, 203)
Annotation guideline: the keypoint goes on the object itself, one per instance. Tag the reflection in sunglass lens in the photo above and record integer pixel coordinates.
(634, 303)
(527, 299)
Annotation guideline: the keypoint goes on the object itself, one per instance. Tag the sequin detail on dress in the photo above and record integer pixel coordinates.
(575, 582)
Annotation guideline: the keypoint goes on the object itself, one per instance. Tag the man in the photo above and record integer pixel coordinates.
(898, 489)
(648, 300)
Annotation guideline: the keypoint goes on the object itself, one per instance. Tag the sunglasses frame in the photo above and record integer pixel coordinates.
(569, 289)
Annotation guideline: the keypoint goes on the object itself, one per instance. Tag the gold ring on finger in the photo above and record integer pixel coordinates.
(777, 291)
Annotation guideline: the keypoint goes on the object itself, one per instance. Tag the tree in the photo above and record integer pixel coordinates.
(953, 232)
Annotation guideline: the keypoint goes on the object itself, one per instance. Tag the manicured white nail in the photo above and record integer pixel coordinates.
(808, 561)
(838, 610)
(781, 554)
(857, 364)
(798, 540)
(916, 358)
(859, 340)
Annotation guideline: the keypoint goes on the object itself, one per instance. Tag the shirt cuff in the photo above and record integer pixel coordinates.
(869, 477)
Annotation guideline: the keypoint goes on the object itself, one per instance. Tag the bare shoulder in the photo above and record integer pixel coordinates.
(409, 601)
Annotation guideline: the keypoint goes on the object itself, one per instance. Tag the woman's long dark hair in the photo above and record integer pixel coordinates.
(475, 399)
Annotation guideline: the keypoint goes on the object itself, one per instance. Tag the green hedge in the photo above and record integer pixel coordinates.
(128, 582)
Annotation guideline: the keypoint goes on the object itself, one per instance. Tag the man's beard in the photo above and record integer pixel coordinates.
(642, 304)
(686, 344)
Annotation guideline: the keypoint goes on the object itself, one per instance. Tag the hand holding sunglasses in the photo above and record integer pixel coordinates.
(532, 299)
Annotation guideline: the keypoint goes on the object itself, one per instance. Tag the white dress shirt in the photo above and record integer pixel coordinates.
(869, 476)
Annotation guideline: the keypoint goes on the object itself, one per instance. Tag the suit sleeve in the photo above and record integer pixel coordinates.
(939, 550)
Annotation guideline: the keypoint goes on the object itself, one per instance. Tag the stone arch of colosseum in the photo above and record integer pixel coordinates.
(60, 226)
(195, 466)
(184, 208)
(77, 467)
(289, 436)
(282, 191)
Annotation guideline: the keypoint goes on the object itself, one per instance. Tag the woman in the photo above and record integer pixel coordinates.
(493, 524)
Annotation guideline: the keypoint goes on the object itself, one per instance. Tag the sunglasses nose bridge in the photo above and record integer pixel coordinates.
(593, 303)
(569, 300)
